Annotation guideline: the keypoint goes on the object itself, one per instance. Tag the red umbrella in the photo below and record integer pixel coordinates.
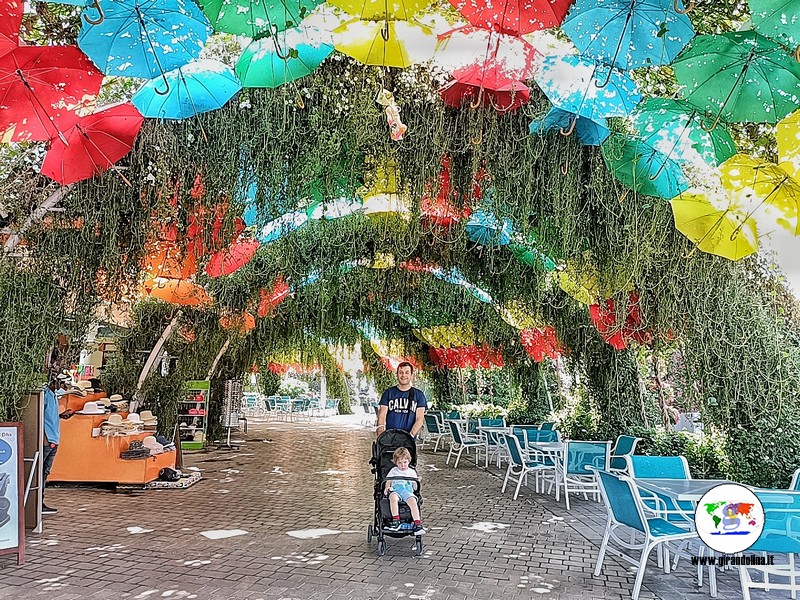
(44, 90)
(93, 144)
(441, 210)
(514, 17)
(10, 20)
(270, 300)
(485, 86)
(468, 46)
(227, 261)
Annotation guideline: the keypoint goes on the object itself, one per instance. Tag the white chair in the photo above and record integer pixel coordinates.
(519, 465)
(578, 461)
(461, 442)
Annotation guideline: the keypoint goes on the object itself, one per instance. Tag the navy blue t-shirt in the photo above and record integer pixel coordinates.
(402, 412)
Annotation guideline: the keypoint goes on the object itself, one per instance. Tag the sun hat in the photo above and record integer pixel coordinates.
(114, 419)
(147, 415)
(152, 444)
(92, 408)
(134, 418)
(115, 397)
(84, 385)
(104, 401)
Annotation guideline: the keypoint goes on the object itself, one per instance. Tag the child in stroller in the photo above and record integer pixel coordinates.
(398, 498)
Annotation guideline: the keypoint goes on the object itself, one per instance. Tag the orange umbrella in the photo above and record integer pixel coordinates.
(166, 260)
(241, 323)
(177, 291)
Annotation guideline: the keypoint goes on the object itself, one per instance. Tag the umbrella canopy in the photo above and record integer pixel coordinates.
(643, 168)
(788, 134)
(628, 33)
(137, 38)
(44, 90)
(380, 10)
(10, 20)
(281, 226)
(233, 258)
(777, 19)
(572, 84)
(270, 299)
(200, 86)
(94, 144)
(728, 233)
(486, 87)
(273, 61)
(682, 132)
(167, 260)
(590, 133)
(486, 229)
(177, 291)
(385, 43)
(514, 17)
(527, 250)
(255, 18)
(240, 323)
(468, 46)
(540, 342)
(735, 76)
(764, 188)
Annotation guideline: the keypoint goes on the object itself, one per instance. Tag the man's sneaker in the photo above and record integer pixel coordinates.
(419, 529)
(394, 526)
(46, 510)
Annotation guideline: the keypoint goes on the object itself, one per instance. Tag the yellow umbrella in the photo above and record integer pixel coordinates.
(582, 281)
(385, 43)
(761, 186)
(788, 134)
(516, 314)
(380, 10)
(729, 233)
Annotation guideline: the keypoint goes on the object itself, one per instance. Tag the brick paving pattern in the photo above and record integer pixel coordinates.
(296, 477)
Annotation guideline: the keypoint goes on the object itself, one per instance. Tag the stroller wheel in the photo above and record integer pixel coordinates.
(381, 547)
(419, 546)
(369, 534)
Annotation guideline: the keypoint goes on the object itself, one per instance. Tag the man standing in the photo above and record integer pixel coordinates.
(402, 406)
(52, 434)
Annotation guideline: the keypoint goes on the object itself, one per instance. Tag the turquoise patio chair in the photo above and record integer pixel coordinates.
(626, 510)
(580, 461)
(519, 465)
(547, 425)
(624, 446)
(491, 439)
(663, 467)
(435, 432)
(461, 442)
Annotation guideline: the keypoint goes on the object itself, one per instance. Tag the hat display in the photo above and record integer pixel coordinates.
(92, 408)
(62, 377)
(135, 450)
(115, 397)
(104, 401)
(152, 444)
(134, 418)
(84, 385)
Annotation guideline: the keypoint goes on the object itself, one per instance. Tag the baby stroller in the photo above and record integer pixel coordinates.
(381, 462)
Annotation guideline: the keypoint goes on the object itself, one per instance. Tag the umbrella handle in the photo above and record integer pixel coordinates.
(713, 125)
(477, 141)
(606, 82)
(478, 101)
(283, 57)
(165, 92)
(686, 9)
(100, 19)
(568, 132)
(565, 167)
(385, 31)
(797, 54)
(657, 173)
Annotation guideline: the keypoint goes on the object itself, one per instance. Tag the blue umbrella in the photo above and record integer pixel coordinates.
(143, 38)
(456, 277)
(571, 84)
(200, 86)
(281, 226)
(485, 229)
(643, 168)
(287, 56)
(590, 133)
(628, 33)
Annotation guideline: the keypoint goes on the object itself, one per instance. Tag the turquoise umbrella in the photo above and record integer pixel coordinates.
(779, 20)
(589, 132)
(643, 168)
(272, 61)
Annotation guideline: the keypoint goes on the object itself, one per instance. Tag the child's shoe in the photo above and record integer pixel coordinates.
(395, 525)
(418, 529)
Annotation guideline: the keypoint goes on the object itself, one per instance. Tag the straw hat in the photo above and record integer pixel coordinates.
(104, 401)
(114, 420)
(84, 385)
(134, 418)
(115, 397)
(148, 417)
(92, 408)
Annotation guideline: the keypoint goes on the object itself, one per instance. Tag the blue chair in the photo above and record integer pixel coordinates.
(491, 439)
(625, 509)
(663, 467)
(547, 425)
(435, 432)
(580, 461)
(461, 442)
(519, 465)
(624, 446)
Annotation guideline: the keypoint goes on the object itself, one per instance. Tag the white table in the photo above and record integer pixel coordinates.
(681, 490)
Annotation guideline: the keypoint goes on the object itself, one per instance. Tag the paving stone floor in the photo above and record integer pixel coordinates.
(290, 478)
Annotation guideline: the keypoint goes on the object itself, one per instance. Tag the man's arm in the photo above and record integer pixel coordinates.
(419, 420)
(381, 426)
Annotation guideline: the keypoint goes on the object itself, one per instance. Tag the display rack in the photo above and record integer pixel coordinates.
(231, 410)
(193, 414)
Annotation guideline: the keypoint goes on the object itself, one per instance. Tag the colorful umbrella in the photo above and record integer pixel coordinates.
(139, 38)
(273, 61)
(380, 10)
(10, 21)
(590, 133)
(281, 226)
(779, 20)
(240, 323)
(233, 258)
(680, 130)
(527, 251)
(572, 84)
(93, 144)
(736, 76)
(729, 233)
(763, 187)
(269, 300)
(166, 260)
(643, 168)
(385, 43)
(256, 18)
(628, 33)
(486, 229)
(486, 87)
(44, 90)
(200, 86)
(467, 46)
(541, 342)
(788, 134)
(514, 17)
(177, 291)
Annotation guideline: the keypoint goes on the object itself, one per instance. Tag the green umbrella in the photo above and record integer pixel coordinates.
(272, 61)
(255, 18)
(643, 168)
(682, 132)
(740, 77)
(528, 251)
(779, 20)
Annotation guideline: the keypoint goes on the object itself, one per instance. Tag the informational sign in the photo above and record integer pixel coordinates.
(12, 531)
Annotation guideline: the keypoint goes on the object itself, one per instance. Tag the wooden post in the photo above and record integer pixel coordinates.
(154, 353)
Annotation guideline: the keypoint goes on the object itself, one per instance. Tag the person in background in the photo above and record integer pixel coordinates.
(402, 406)
(52, 434)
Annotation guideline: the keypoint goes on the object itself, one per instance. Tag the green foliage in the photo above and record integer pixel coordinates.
(292, 388)
(580, 421)
(704, 454)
